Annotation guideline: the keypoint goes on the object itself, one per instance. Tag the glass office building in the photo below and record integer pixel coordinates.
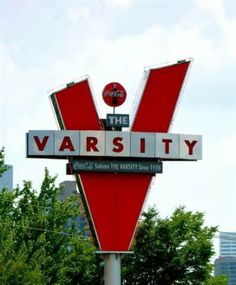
(226, 263)
(228, 244)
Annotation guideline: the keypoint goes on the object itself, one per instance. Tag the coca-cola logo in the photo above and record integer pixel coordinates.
(114, 94)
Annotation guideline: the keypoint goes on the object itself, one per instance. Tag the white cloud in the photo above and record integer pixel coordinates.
(75, 14)
(214, 8)
(226, 149)
(119, 3)
(190, 37)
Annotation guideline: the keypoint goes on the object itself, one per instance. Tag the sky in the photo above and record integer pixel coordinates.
(46, 44)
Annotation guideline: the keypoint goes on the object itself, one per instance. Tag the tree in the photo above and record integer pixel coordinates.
(217, 280)
(3, 166)
(175, 250)
(36, 246)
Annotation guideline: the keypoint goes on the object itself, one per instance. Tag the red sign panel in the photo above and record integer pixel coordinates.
(115, 200)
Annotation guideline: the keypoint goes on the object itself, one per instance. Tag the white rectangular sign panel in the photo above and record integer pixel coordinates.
(143, 144)
(65, 143)
(40, 143)
(92, 143)
(118, 144)
(165, 146)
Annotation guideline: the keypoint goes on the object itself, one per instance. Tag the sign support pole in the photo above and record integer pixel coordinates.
(112, 269)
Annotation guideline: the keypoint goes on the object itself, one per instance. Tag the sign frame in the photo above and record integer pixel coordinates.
(152, 114)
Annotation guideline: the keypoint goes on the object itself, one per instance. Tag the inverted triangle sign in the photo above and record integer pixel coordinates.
(115, 200)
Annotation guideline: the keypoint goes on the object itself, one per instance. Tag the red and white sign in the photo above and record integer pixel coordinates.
(114, 144)
(115, 200)
(114, 94)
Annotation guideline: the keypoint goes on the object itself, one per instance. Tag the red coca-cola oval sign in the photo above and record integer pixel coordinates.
(114, 94)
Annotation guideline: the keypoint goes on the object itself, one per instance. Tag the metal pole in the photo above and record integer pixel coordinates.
(112, 272)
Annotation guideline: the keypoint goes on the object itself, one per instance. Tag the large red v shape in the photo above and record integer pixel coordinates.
(115, 200)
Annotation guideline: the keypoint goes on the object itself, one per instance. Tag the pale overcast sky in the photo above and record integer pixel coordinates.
(44, 44)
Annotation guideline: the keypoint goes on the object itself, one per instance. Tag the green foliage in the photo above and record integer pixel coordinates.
(3, 167)
(36, 246)
(175, 250)
(217, 280)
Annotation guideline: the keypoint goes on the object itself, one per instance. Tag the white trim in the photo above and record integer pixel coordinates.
(138, 97)
(180, 92)
(88, 206)
(82, 188)
(143, 83)
(93, 98)
(59, 110)
(141, 210)
(65, 85)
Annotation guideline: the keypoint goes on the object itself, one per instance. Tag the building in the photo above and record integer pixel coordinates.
(69, 188)
(226, 263)
(228, 244)
(6, 180)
